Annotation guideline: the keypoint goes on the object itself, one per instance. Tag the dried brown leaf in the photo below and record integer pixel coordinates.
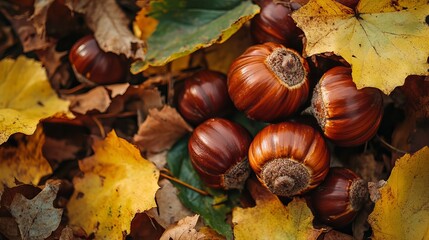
(110, 26)
(30, 39)
(96, 99)
(169, 208)
(51, 59)
(159, 159)
(183, 230)
(40, 15)
(37, 218)
(161, 129)
(9, 228)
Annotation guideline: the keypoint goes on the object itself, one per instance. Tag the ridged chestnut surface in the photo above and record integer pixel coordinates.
(274, 24)
(204, 96)
(337, 200)
(218, 151)
(289, 158)
(347, 116)
(93, 64)
(268, 82)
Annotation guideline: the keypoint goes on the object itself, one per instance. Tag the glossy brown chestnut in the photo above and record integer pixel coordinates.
(289, 158)
(268, 82)
(337, 200)
(347, 116)
(218, 151)
(274, 24)
(204, 96)
(93, 64)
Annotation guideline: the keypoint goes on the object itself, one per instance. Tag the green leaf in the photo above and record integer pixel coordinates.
(213, 209)
(251, 125)
(185, 26)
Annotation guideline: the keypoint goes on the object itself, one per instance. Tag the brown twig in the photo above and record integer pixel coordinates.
(390, 147)
(115, 115)
(100, 126)
(184, 184)
(73, 89)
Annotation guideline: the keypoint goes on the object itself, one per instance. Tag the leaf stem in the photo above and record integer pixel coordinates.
(390, 147)
(202, 192)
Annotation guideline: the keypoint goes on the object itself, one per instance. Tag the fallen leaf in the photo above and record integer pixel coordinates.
(191, 25)
(96, 99)
(7, 38)
(24, 162)
(50, 58)
(183, 230)
(25, 97)
(169, 208)
(145, 228)
(110, 26)
(9, 228)
(40, 15)
(270, 219)
(403, 209)
(212, 208)
(37, 218)
(161, 129)
(116, 184)
(117, 89)
(384, 41)
(220, 56)
(159, 159)
(24, 28)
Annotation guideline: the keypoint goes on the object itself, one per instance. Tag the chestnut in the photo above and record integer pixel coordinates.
(269, 82)
(289, 158)
(274, 24)
(337, 200)
(93, 65)
(218, 151)
(347, 116)
(203, 96)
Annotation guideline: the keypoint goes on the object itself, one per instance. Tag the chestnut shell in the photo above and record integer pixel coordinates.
(337, 200)
(289, 145)
(274, 24)
(268, 82)
(218, 151)
(94, 64)
(347, 116)
(204, 96)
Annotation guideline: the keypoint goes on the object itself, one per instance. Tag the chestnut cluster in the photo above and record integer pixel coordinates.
(270, 82)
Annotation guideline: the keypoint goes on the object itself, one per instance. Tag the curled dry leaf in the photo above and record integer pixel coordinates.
(24, 162)
(27, 33)
(183, 230)
(402, 211)
(161, 129)
(116, 184)
(96, 99)
(25, 97)
(37, 218)
(384, 41)
(270, 219)
(169, 208)
(40, 15)
(110, 26)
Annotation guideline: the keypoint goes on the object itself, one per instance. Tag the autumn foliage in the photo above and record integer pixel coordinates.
(89, 159)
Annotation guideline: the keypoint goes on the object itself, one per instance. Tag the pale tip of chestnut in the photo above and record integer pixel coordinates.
(237, 175)
(285, 177)
(288, 67)
(358, 194)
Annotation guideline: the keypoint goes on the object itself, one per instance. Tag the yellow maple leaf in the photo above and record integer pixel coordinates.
(403, 209)
(25, 97)
(384, 42)
(117, 183)
(270, 219)
(25, 162)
